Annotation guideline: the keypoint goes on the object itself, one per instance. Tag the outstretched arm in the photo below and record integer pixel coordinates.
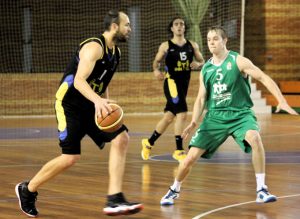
(247, 67)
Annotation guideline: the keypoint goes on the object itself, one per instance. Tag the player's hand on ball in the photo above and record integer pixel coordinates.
(112, 121)
(102, 106)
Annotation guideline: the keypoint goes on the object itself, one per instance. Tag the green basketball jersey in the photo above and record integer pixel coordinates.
(227, 88)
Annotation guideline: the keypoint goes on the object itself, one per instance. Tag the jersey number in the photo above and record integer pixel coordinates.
(183, 56)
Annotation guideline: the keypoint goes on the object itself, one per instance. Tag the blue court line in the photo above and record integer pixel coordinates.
(37, 133)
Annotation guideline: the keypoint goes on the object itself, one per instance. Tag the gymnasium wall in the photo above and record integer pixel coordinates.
(41, 36)
(34, 94)
(272, 37)
(272, 41)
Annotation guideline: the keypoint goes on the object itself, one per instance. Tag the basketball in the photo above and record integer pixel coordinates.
(112, 121)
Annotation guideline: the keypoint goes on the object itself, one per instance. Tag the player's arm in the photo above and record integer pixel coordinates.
(198, 108)
(199, 60)
(247, 67)
(88, 56)
(162, 50)
(105, 94)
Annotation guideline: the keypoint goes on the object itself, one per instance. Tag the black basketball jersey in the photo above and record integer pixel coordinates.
(99, 79)
(178, 60)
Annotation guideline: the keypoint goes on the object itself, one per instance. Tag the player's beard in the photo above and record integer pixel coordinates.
(119, 37)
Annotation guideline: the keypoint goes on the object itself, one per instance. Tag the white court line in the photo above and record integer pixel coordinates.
(234, 205)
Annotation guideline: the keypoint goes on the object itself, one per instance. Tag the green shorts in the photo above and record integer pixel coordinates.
(217, 126)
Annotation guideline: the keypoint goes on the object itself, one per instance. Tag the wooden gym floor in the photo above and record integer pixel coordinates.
(223, 187)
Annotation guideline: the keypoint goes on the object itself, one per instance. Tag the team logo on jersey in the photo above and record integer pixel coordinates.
(220, 89)
(182, 66)
(229, 66)
(97, 86)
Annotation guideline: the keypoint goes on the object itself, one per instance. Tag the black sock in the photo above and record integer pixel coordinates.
(26, 192)
(154, 137)
(116, 198)
(178, 140)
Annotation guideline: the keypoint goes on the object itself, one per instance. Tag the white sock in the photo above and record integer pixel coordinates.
(260, 181)
(176, 185)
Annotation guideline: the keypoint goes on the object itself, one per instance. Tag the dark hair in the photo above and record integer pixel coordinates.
(171, 24)
(113, 16)
(220, 30)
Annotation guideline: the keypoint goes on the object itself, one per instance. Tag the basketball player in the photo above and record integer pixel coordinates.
(225, 90)
(178, 53)
(82, 94)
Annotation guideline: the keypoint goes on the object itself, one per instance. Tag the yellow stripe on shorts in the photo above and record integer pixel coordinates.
(60, 113)
(172, 88)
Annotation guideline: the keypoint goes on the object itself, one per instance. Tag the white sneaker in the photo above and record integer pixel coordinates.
(169, 198)
(125, 208)
(263, 196)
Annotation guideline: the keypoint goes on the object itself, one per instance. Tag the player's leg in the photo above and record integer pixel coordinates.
(27, 191)
(71, 133)
(258, 160)
(183, 170)
(258, 152)
(52, 169)
(116, 202)
(205, 142)
(180, 109)
(186, 165)
(162, 125)
(117, 158)
(246, 133)
(179, 154)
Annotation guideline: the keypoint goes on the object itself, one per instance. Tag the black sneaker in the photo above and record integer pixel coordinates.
(117, 205)
(27, 199)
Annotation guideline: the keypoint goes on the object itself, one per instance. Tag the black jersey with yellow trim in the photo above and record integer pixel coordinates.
(178, 60)
(99, 78)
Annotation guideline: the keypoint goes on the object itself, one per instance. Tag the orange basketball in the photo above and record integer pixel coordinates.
(111, 122)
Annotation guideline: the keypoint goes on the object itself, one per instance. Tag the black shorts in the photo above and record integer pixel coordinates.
(73, 125)
(175, 93)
